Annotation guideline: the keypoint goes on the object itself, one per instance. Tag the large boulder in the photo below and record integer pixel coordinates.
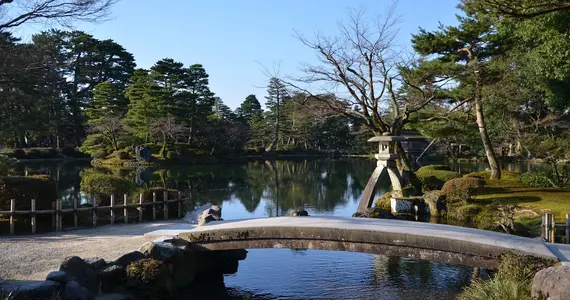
(436, 202)
(298, 213)
(143, 154)
(29, 290)
(179, 258)
(128, 258)
(111, 276)
(160, 250)
(552, 284)
(57, 276)
(95, 263)
(76, 269)
(75, 291)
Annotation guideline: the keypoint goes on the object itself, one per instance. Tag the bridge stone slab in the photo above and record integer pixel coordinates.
(459, 245)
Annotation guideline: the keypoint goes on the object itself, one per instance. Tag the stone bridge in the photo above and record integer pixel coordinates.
(426, 241)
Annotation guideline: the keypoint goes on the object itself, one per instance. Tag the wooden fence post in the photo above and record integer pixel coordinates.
(56, 213)
(165, 196)
(112, 212)
(179, 205)
(33, 216)
(53, 216)
(59, 215)
(553, 230)
(154, 206)
(12, 215)
(125, 210)
(75, 212)
(94, 212)
(141, 208)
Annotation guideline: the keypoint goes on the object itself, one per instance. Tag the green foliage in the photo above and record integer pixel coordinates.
(171, 155)
(146, 270)
(102, 186)
(436, 168)
(461, 190)
(498, 288)
(99, 154)
(384, 202)
(23, 189)
(5, 165)
(536, 178)
(434, 179)
(122, 155)
(522, 267)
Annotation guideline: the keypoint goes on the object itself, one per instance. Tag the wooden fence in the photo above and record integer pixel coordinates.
(549, 228)
(57, 211)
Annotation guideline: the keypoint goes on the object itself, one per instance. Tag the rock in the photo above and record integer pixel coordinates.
(113, 297)
(183, 269)
(401, 206)
(193, 217)
(298, 213)
(162, 251)
(552, 283)
(95, 262)
(57, 276)
(78, 270)
(128, 258)
(75, 291)
(111, 276)
(176, 242)
(435, 201)
(214, 213)
(143, 154)
(29, 290)
(239, 254)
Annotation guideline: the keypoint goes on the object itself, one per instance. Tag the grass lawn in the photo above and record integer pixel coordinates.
(514, 192)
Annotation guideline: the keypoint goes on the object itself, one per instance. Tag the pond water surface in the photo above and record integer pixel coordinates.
(267, 189)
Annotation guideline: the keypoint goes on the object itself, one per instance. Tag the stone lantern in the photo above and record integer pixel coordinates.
(386, 162)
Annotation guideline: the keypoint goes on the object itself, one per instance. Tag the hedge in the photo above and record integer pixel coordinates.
(25, 188)
(434, 179)
(102, 186)
(460, 190)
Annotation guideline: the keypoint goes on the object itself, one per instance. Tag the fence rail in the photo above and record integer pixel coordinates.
(549, 228)
(57, 211)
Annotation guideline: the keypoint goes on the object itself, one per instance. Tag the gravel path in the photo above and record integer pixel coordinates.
(32, 257)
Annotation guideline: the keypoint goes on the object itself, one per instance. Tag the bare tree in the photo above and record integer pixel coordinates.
(168, 130)
(14, 13)
(363, 68)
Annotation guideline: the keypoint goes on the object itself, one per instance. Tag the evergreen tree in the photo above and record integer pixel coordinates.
(146, 104)
(105, 103)
(276, 95)
(249, 109)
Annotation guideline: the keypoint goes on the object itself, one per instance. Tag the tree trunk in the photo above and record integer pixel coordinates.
(495, 170)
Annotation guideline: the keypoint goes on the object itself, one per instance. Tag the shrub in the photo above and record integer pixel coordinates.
(548, 176)
(102, 186)
(5, 164)
(99, 154)
(500, 287)
(171, 154)
(148, 279)
(145, 270)
(122, 155)
(384, 202)
(23, 189)
(535, 178)
(463, 212)
(19, 153)
(436, 168)
(460, 190)
(434, 179)
(33, 153)
(483, 175)
(522, 267)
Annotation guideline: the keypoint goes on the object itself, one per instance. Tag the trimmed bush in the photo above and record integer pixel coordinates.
(434, 179)
(536, 179)
(102, 186)
(436, 168)
(33, 153)
(171, 154)
(122, 155)
(460, 190)
(100, 154)
(19, 153)
(383, 202)
(24, 189)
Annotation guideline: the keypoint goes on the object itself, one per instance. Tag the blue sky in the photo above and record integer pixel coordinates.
(231, 38)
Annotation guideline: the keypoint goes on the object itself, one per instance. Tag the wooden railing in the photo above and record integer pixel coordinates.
(57, 211)
(549, 227)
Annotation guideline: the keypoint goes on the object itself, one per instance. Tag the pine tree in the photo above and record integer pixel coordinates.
(249, 109)
(105, 103)
(146, 103)
(276, 95)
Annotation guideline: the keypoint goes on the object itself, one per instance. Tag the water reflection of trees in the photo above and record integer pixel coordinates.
(320, 185)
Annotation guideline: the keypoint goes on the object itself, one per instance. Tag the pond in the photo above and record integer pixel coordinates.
(267, 189)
